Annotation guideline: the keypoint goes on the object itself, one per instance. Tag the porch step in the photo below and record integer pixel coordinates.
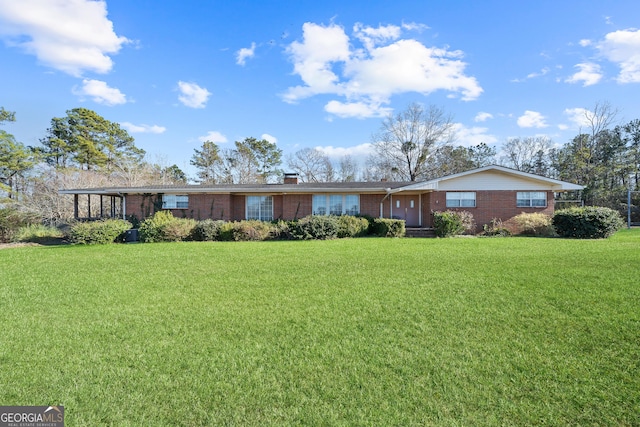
(419, 232)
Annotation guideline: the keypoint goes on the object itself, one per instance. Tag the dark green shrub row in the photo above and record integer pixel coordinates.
(164, 227)
(589, 222)
(99, 232)
(452, 223)
(383, 227)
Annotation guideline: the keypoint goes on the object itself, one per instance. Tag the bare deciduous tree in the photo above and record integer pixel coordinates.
(312, 165)
(407, 141)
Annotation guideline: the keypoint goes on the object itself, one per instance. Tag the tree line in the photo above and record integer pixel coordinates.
(83, 149)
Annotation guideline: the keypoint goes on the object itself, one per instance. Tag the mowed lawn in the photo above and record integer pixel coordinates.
(377, 332)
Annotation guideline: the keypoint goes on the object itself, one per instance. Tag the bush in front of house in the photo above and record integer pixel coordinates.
(495, 229)
(164, 227)
(38, 233)
(250, 230)
(384, 227)
(589, 222)
(453, 223)
(534, 224)
(352, 226)
(99, 232)
(319, 227)
(207, 230)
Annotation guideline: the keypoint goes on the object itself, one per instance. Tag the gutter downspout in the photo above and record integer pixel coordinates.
(388, 190)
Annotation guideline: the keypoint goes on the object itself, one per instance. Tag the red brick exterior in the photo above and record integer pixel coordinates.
(228, 207)
(489, 205)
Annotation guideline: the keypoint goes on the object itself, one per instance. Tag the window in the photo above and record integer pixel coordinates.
(336, 204)
(173, 201)
(260, 207)
(461, 199)
(531, 199)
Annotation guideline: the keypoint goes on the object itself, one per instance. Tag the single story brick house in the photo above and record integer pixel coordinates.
(487, 192)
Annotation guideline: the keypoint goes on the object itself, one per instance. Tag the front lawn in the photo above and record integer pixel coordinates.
(466, 331)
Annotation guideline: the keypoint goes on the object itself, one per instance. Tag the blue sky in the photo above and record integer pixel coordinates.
(316, 74)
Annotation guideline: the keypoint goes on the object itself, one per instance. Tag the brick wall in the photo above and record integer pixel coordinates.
(489, 205)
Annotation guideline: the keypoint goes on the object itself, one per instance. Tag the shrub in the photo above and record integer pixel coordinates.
(207, 230)
(496, 229)
(591, 222)
(251, 230)
(11, 219)
(453, 223)
(38, 233)
(319, 227)
(99, 232)
(384, 227)
(177, 230)
(164, 227)
(281, 230)
(351, 226)
(534, 224)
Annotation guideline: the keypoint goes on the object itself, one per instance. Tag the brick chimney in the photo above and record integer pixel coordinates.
(290, 178)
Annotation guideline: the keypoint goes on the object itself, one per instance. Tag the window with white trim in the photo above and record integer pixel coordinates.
(531, 199)
(335, 204)
(260, 207)
(461, 199)
(175, 201)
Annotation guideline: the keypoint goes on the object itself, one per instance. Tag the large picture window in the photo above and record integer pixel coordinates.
(461, 199)
(260, 207)
(173, 201)
(531, 199)
(336, 204)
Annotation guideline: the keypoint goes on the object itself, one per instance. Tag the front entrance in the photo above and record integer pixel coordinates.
(407, 208)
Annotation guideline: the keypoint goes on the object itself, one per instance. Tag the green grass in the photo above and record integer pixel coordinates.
(379, 332)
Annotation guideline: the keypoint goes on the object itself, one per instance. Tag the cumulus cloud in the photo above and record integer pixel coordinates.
(472, 136)
(130, 127)
(623, 48)
(329, 62)
(482, 117)
(193, 95)
(579, 117)
(245, 53)
(100, 92)
(214, 136)
(588, 73)
(358, 151)
(532, 119)
(72, 36)
(272, 139)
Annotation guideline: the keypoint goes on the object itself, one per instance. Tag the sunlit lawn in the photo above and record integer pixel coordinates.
(379, 332)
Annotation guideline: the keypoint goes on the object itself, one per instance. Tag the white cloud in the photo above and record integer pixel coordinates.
(72, 36)
(100, 92)
(193, 95)
(531, 119)
(585, 42)
(578, 116)
(130, 127)
(243, 54)
(272, 139)
(213, 136)
(356, 109)
(366, 78)
(589, 74)
(623, 48)
(482, 117)
(359, 151)
(470, 137)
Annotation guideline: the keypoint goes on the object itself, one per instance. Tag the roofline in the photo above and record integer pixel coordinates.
(118, 191)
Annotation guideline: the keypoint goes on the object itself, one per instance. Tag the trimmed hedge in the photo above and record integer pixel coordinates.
(452, 223)
(99, 232)
(383, 227)
(534, 224)
(207, 230)
(352, 226)
(317, 227)
(590, 222)
(164, 227)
